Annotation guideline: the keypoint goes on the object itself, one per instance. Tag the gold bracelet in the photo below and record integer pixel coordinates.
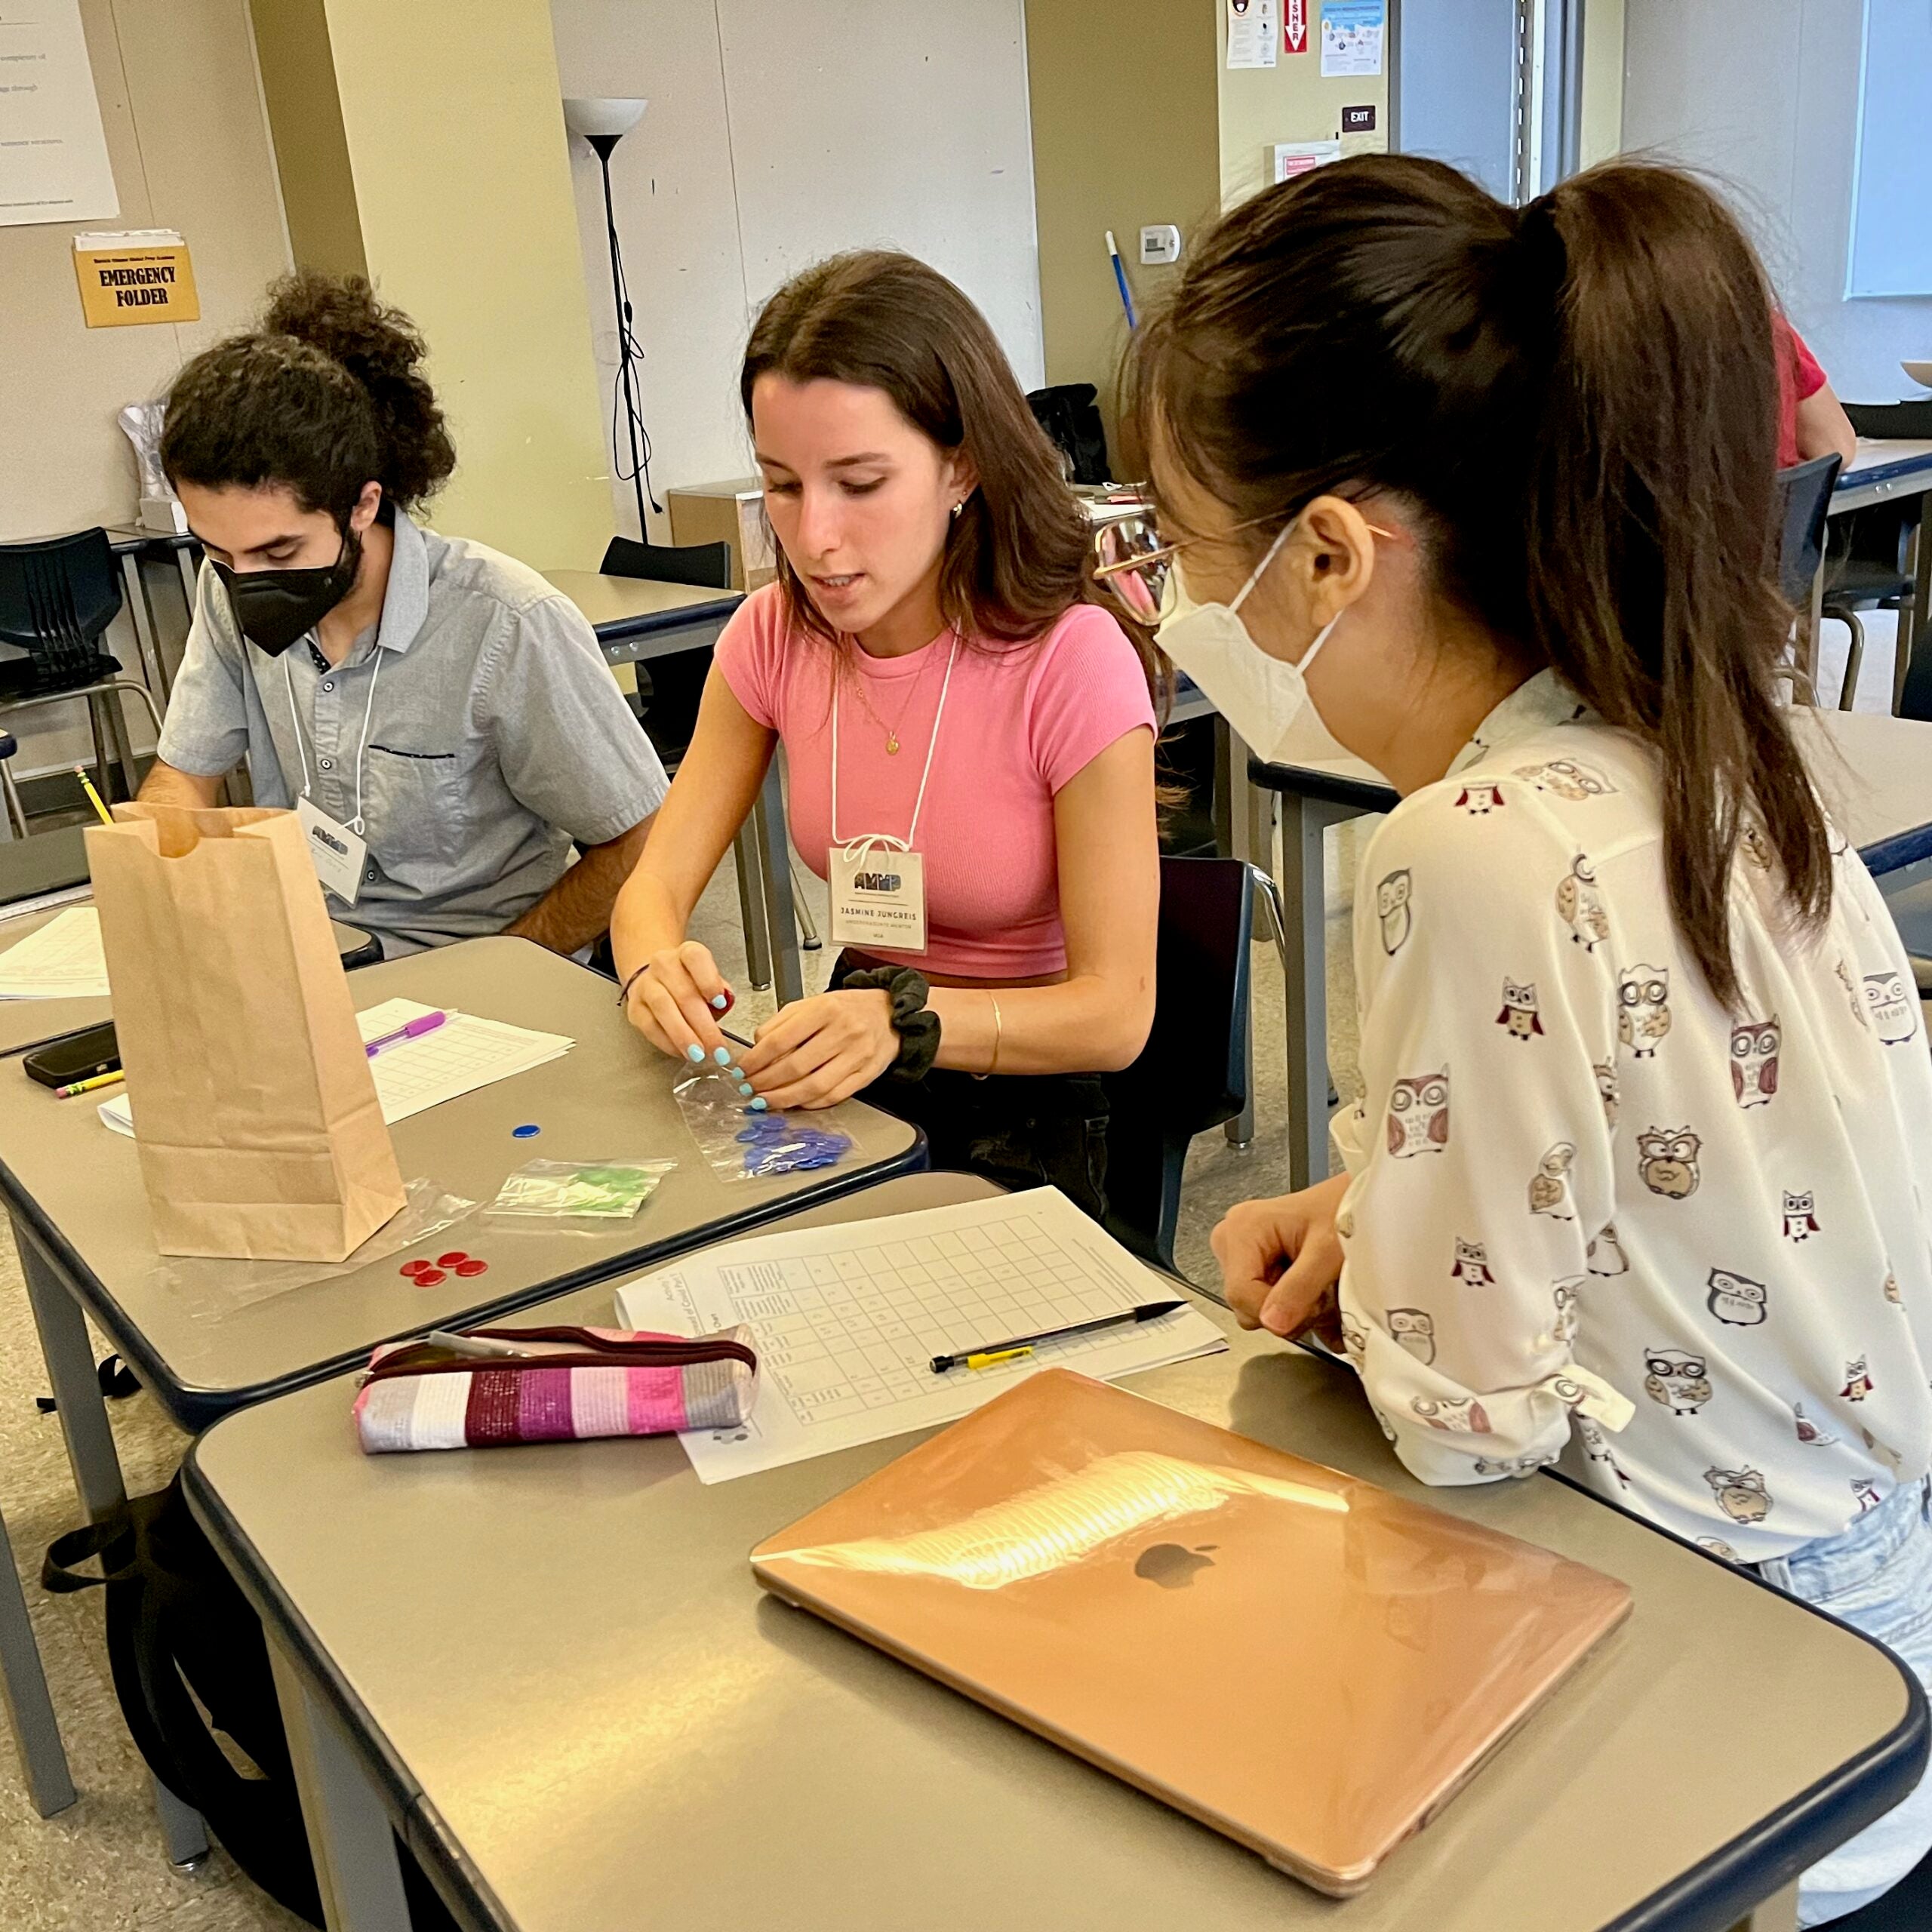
(993, 1065)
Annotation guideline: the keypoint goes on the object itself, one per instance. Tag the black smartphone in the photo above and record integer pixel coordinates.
(75, 1057)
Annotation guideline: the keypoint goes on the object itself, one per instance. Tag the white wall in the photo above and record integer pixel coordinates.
(779, 132)
(1766, 98)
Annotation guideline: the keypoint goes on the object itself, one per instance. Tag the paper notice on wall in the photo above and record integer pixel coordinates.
(143, 275)
(1254, 30)
(53, 163)
(1288, 158)
(1352, 37)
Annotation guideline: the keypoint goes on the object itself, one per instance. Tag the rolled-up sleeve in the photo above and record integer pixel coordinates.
(1481, 1151)
(206, 730)
(568, 746)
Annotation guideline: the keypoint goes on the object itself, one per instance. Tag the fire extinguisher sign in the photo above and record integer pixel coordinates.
(1294, 27)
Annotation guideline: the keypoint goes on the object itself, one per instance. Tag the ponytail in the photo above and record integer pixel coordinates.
(1578, 399)
(326, 397)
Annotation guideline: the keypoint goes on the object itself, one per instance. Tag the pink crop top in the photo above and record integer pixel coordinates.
(1020, 721)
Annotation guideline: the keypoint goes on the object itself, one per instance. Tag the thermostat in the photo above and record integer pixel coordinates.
(1160, 245)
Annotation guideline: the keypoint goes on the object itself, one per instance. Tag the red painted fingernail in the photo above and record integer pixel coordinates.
(472, 1267)
(450, 1260)
(428, 1277)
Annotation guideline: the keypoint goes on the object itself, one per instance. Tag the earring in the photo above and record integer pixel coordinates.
(958, 507)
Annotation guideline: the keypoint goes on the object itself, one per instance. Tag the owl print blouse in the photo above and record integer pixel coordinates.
(1592, 1214)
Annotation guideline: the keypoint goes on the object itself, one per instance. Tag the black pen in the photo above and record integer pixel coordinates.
(985, 1356)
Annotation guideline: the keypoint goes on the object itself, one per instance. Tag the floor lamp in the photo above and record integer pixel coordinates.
(603, 123)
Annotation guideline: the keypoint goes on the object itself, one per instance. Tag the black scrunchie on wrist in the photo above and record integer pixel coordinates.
(915, 1022)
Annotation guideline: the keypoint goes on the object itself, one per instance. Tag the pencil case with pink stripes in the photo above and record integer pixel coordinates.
(494, 1386)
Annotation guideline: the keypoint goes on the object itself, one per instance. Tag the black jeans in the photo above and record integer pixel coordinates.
(1018, 1129)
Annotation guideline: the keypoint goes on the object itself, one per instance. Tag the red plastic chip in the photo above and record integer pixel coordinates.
(427, 1277)
(410, 1270)
(450, 1259)
(471, 1266)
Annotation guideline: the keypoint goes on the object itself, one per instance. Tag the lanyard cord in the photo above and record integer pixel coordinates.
(918, 805)
(368, 712)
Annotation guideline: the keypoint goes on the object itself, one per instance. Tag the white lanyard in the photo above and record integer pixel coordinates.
(368, 712)
(867, 840)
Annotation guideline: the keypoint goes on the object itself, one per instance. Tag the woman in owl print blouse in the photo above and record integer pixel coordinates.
(1635, 1179)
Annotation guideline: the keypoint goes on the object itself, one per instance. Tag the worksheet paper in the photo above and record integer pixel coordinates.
(465, 1053)
(53, 164)
(848, 1318)
(63, 960)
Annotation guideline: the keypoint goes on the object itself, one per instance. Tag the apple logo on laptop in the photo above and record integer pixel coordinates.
(1172, 1566)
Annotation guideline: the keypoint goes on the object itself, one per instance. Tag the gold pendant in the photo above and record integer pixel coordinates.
(892, 744)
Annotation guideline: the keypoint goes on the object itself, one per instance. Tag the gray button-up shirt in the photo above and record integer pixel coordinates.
(497, 737)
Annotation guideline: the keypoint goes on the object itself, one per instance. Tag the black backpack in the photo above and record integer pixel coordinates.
(1069, 414)
(178, 1624)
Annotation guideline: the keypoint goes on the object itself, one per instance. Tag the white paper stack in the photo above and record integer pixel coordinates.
(61, 960)
(848, 1318)
(465, 1053)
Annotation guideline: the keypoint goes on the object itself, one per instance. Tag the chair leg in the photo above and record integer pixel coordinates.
(751, 906)
(1854, 658)
(97, 722)
(17, 815)
(123, 744)
(801, 908)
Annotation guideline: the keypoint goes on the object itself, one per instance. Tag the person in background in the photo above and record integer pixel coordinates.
(440, 716)
(1638, 1179)
(952, 709)
(1811, 420)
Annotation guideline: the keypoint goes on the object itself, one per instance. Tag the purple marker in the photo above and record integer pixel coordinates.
(426, 1022)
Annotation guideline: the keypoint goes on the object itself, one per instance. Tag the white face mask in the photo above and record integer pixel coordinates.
(1262, 697)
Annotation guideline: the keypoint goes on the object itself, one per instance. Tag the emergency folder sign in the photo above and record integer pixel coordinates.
(145, 276)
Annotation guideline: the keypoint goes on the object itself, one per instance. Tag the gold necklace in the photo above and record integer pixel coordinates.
(891, 730)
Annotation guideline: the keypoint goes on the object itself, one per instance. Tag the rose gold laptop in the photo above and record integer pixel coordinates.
(1349, 1658)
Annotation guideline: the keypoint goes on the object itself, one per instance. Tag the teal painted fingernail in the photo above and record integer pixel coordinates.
(736, 1072)
(744, 1086)
(720, 1000)
(697, 1053)
(722, 1055)
(759, 1106)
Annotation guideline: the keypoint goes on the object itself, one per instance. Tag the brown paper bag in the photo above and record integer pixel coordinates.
(255, 1112)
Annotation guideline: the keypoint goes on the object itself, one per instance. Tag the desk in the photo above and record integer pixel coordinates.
(551, 1670)
(80, 1221)
(1887, 470)
(638, 618)
(1876, 772)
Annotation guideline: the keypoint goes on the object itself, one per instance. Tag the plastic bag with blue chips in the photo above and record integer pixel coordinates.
(740, 1143)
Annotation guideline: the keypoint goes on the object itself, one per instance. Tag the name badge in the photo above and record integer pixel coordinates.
(337, 853)
(878, 898)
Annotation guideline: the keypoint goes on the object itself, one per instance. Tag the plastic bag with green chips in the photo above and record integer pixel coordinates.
(579, 1190)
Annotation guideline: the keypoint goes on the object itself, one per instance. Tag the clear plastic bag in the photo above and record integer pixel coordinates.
(742, 1142)
(212, 1289)
(579, 1190)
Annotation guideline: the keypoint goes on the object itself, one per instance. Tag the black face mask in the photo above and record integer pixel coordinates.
(274, 608)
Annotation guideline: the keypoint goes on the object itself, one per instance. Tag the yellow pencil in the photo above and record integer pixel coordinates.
(93, 797)
(74, 1087)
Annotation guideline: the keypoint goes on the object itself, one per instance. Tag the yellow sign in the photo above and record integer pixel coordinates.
(142, 277)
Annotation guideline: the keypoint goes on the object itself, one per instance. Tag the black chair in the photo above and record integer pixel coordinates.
(1865, 566)
(706, 566)
(1192, 1073)
(1804, 496)
(57, 597)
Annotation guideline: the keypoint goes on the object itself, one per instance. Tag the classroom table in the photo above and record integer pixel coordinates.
(550, 1670)
(1876, 771)
(639, 618)
(80, 1216)
(1888, 469)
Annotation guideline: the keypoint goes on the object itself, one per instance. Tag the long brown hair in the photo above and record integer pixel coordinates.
(1579, 399)
(325, 397)
(1019, 555)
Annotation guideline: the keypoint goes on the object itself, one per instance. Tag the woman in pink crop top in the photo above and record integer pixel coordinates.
(939, 682)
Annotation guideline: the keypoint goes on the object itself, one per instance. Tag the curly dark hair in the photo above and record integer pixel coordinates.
(324, 398)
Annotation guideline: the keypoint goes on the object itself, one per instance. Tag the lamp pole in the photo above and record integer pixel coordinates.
(603, 144)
